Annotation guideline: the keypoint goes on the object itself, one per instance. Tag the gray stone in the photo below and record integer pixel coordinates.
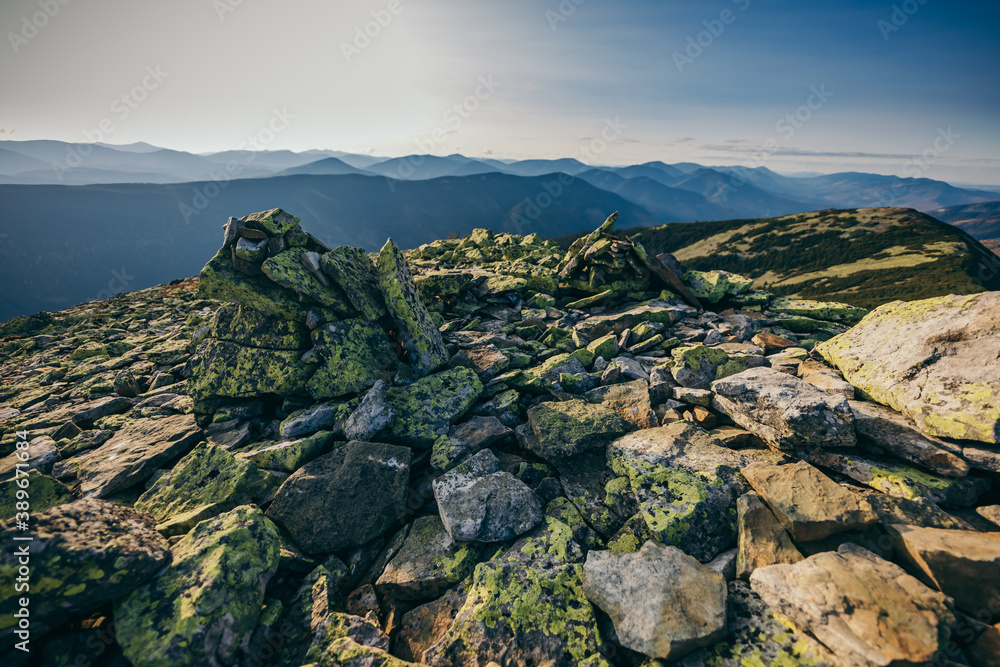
(345, 498)
(373, 414)
(320, 417)
(663, 603)
(477, 502)
(784, 411)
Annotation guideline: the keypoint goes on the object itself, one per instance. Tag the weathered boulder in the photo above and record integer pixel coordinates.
(82, 555)
(202, 609)
(237, 323)
(345, 498)
(289, 269)
(479, 502)
(630, 400)
(429, 562)
(328, 416)
(808, 504)
(784, 411)
(45, 493)
(237, 371)
(962, 564)
(353, 271)
(866, 610)
(288, 455)
(663, 603)
(527, 605)
(685, 485)
(898, 435)
(467, 438)
(565, 428)
(424, 346)
(762, 539)
(136, 450)
(934, 360)
(424, 411)
(371, 416)
(352, 352)
(206, 482)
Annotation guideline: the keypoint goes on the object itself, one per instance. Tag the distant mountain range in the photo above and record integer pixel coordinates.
(981, 221)
(77, 215)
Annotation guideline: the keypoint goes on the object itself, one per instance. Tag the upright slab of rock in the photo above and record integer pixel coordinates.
(934, 360)
(420, 337)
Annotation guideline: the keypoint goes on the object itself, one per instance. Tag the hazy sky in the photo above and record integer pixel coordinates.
(796, 85)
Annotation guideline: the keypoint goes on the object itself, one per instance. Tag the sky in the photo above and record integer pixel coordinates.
(907, 88)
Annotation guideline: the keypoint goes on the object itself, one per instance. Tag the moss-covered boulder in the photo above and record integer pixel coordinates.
(206, 482)
(44, 492)
(203, 608)
(526, 604)
(351, 352)
(420, 336)
(697, 366)
(82, 555)
(273, 222)
(230, 370)
(429, 563)
(219, 280)
(685, 484)
(288, 455)
(566, 428)
(345, 498)
(352, 270)
(424, 411)
(819, 310)
(290, 271)
(242, 324)
(934, 360)
(714, 286)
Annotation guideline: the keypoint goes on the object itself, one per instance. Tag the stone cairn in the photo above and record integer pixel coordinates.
(489, 451)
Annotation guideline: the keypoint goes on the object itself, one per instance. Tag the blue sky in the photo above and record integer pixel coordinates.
(523, 79)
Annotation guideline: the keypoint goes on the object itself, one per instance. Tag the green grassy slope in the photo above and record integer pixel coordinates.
(864, 257)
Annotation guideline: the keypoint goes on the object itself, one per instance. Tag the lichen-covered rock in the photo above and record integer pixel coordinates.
(784, 411)
(526, 605)
(45, 493)
(477, 501)
(714, 286)
(136, 450)
(288, 270)
(808, 504)
(565, 428)
(897, 479)
(203, 608)
(429, 563)
(242, 324)
(345, 498)
(631, 400)
(420, 337)
(685, 484)
(465, 439)
(353, 271)
(486, 360)
(288, 455)
(231, 370)
(663, 603)
(82, 555)
(219, 280)
(934, 361)
(426, 409)
(866, 610)
(820, 310)
(658, 312)
(352, 353)
(274, 222)
(206, 482)
(698, 366)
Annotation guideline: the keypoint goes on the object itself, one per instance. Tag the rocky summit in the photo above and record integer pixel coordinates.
(488, 451)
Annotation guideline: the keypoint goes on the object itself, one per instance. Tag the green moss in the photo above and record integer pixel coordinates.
(427, 408)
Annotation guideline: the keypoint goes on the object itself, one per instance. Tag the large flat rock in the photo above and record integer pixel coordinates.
(936, 361)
